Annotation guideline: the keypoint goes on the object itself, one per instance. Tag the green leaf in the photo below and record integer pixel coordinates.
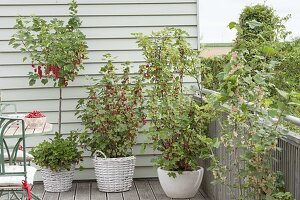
(270, 51)
(16, 45)
(232, 25)
(273, 113)
(282, 93)
(32, 82)
(268, 102)
(44, 81)
(12, 40)
(253, 24)
(216, 144)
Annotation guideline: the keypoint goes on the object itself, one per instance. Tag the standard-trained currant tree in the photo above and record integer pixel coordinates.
(56, 49)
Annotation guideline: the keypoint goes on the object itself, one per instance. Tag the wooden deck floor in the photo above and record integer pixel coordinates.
(141, 190)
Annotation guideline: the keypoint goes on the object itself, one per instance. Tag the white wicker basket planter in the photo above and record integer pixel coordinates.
(57, 181)
(114, 174)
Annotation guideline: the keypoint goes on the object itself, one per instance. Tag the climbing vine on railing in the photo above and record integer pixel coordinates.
(249, 132)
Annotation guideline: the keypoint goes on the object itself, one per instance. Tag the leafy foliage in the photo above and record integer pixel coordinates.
(287, 76)
(246, 86)
(56, 49)
(58, 153)
(178, 125)
(259, 31)
(113, 112)
(260, 23)
(264, 40)
(213, 66)
(249, 134)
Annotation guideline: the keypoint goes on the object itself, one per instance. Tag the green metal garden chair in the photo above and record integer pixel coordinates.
(4, 106)
(15, 179)
(12, 108)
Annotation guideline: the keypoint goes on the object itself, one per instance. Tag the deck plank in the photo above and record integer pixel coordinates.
(141, 190)
(131, 194)
(199, 196)
(157, 190)
(114, 196)
(95, 193)
(204, 194)
(51, 196)
(144, 190)
(69, 195)
(83, 191)
(38, 190)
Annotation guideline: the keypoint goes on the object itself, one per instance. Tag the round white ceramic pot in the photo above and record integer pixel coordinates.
(185, 185)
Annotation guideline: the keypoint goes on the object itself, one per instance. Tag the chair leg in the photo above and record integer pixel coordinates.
(19, 195)
(35, 197)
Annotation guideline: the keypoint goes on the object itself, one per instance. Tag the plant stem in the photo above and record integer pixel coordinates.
(59, 110)
(200, 88)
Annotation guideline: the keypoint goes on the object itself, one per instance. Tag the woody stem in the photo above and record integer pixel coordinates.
(59, 110)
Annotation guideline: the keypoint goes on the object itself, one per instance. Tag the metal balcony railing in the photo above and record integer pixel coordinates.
(288, 160)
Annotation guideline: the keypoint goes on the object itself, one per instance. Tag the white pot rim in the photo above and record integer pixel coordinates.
(200, 168)
(34, 117)
(61, 170)
(112, 159)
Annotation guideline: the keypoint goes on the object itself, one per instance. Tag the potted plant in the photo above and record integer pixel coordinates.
(112, 115)
(56, 51)
(57, 159)
(178, 124)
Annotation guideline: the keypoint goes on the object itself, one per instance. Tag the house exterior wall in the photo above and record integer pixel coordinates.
(108, 25)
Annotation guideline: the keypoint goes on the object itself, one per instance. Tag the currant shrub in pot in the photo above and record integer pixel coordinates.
(178, 124)
(113, 112)
(58, 153)
(57, 159)
(179, 133)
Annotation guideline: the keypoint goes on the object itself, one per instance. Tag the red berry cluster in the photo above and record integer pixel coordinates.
(79, 57)
(35, 114)
(55, 71)
(52, 68)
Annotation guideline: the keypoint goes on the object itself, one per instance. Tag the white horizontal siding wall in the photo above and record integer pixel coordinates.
(108, 25)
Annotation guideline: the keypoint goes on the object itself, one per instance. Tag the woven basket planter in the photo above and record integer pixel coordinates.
(57, 181)
(114, 174)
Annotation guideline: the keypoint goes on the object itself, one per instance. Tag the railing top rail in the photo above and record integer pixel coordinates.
(290, 137)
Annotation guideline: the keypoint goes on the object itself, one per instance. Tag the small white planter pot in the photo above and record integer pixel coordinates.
(185, 185)
(57, 181)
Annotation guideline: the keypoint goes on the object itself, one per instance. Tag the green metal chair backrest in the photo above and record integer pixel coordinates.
(5, 123)
(4, 106)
